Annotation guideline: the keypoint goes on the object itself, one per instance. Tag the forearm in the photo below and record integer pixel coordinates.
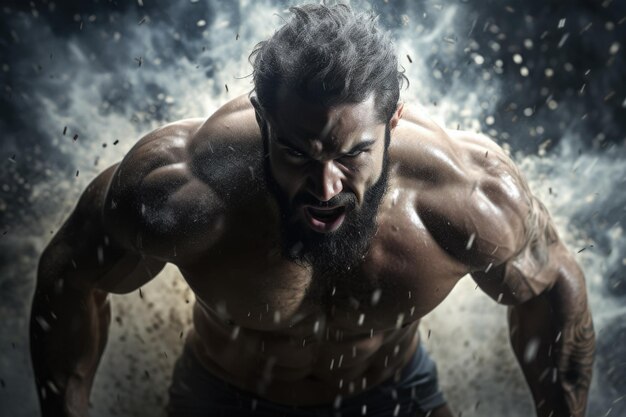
(68, 333)
(552, 336)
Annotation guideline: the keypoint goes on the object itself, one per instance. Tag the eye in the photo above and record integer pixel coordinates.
(354, 154)
(294, 153)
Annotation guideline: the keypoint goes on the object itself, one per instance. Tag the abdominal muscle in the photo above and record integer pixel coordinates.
(296, 366)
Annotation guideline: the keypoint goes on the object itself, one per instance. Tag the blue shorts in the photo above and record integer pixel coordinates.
(195, 392)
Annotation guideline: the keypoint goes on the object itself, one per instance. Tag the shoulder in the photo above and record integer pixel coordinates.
(167, 198)
(470, 195)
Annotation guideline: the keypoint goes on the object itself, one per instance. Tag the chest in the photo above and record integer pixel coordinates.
(404, 275)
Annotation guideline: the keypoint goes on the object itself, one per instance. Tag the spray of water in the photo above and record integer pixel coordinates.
(86, 89)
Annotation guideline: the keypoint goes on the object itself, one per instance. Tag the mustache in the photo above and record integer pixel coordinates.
(347, 199)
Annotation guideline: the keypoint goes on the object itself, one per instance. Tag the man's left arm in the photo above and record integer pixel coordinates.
(550, 322)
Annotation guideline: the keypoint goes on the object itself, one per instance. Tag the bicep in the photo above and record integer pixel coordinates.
(533, 267)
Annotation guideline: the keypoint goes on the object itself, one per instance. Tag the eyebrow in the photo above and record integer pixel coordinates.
(358, 147)
(287, 144)
(362, 145)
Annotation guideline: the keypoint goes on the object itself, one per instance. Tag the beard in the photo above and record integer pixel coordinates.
(328, 253)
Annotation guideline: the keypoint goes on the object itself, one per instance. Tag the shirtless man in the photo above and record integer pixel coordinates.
(317, 220)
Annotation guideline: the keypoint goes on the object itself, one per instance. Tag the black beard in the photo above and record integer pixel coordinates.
(328, 253)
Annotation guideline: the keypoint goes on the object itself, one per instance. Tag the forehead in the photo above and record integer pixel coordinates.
(302, 120)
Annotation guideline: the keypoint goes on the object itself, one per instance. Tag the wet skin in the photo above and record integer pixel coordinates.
(193, 193)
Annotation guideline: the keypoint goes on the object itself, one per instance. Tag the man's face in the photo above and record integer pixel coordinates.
(327, 169)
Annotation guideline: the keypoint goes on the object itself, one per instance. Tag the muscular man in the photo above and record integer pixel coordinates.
(317, 220)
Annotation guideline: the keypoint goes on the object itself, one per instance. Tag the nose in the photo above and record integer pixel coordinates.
(325, 181)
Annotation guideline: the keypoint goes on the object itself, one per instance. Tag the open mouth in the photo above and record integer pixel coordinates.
(324, 220)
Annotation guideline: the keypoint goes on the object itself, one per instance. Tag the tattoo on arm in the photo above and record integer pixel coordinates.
(574, 359)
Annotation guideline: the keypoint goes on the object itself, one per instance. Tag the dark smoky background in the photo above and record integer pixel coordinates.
(82, 81)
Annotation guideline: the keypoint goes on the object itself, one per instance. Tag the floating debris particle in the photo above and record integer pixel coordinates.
(530, 352)
(470, 242)
(376, 296)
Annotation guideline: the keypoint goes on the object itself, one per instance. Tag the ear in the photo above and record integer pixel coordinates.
(396, 116)
(257, 109)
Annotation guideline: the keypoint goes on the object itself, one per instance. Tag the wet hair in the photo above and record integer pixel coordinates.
(328, 55)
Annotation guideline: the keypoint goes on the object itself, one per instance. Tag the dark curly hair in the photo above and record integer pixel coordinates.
(328, 55)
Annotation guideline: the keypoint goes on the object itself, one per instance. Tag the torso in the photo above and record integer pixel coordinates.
(283, 331)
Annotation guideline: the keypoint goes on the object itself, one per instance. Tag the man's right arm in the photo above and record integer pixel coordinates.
(132, 219)
(70, 312)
